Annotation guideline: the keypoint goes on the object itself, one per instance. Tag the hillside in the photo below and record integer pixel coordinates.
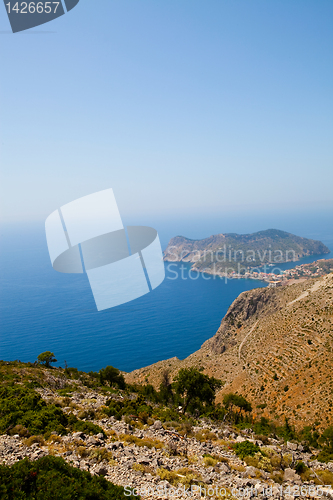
(64, 434)
(224, 253)
(274, 346)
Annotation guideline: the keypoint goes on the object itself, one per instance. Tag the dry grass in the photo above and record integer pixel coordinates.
(205, 435)
(325, 476)
(20, 430)
(34, 439)
(239, 468)
(150, 443)
(209, 461)
(54, 439)
(184, 476)
(145, 469)
(96, 454)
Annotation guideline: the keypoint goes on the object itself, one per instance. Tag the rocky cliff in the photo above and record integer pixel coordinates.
(274, 346)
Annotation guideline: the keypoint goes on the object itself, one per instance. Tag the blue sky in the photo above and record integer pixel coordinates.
(181, 106)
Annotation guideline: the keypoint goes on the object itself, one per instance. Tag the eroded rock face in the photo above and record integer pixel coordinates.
(247, 306)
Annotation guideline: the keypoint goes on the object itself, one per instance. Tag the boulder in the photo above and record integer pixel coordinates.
(290, 475)
(225, 468)
(157, 425)
(101, 470)
(251, 471)
(292, 446)
(93, 441)
(79, 435)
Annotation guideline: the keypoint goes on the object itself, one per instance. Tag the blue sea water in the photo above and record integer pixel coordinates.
(43, 310)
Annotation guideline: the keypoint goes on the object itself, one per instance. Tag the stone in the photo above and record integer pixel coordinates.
(251, 471)
(291, 446)
(101, 470)
(100, 436)
(78, 435)
(157, 425)
(290, 475)
(93, 441)
(225, 468)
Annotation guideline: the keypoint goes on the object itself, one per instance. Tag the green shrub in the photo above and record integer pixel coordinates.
(22, 406)
(325, 456)
(23, 411)
(51, 478)
(128, 407)
(246, 449)
(300, 467)
(88, 427)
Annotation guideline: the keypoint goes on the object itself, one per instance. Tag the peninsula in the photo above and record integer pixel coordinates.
(242, 255)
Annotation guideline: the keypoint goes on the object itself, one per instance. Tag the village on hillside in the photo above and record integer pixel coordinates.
(300, 272)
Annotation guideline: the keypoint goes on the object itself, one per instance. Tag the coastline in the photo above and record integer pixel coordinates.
(300, 272)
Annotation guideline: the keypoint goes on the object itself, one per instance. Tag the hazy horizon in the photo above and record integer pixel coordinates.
(178, 106)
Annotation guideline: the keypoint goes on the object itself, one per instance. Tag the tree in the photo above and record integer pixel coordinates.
(113, 376)
(165, 389)
(45, 358)
(192, 385)
(230, 400)
(235, 404)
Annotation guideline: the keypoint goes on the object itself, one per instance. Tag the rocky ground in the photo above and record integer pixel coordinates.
(158, 457)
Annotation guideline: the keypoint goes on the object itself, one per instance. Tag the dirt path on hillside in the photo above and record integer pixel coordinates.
(242, 343)
(314, 288)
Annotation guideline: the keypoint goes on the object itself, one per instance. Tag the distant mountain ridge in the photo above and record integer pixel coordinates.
(224, 253)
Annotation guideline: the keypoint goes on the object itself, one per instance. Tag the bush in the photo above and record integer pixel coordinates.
(325, 456)
(51, 478)
(128, 407)
(24, 407)
(300, 467)
(24, 412)
(35, 439)
(260, 462)
(263, 427)
(88, 428)
(246, 449)
(209, 461)
(261, 437)
(112, 376)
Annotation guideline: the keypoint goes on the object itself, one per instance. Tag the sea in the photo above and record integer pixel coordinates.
(42, 310)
